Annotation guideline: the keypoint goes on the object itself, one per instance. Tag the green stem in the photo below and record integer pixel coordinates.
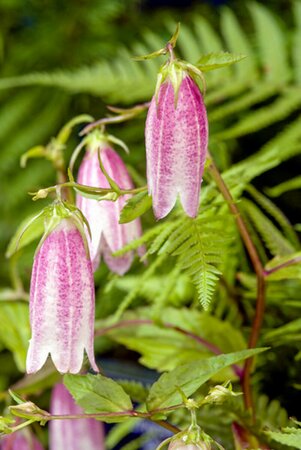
(43, 193)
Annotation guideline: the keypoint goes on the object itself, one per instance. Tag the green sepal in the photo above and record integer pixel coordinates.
(162, 51)
(65, 132)
(135, 207)
(38, 151)
(30, 229)
(43, 223)
(174, 71)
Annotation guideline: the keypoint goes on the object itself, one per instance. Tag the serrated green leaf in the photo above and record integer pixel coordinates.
(218, 60)
(135, 207)
(291, 437)
(97, 394)
(164, 349)
(189, 377)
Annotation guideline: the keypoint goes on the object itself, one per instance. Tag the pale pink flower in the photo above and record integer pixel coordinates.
(71, 434)
(62, 302)
(108, 235)
(20, 440)
(176, 136)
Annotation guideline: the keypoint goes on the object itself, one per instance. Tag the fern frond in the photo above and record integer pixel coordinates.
(276, 214)
(134, 293)
(210, 42)
(271, 43)
(149, 235)
(271, 412)
(282, 147)
(289, 185)
(15, 109)
(296, 44)
(197, 249)
(256, 95)
(273, 239)
(237, 41)
(281, 108)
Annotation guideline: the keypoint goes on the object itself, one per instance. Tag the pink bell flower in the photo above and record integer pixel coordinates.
(176, 135)
(71, 434)
(108, 235)
(20, 440)
(62, 301)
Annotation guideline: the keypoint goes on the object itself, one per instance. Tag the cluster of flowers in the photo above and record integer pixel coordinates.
(62, 286)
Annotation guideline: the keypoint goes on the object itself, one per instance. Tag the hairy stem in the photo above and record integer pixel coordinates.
(259, 270)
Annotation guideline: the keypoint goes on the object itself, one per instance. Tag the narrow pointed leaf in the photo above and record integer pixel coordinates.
(135, 207)
(189, 377)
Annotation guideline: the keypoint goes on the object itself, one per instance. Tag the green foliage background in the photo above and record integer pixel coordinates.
(60, 59)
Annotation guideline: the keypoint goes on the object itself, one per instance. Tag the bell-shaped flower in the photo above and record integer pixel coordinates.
(176, 135)
(70, 434)
(107, 234)
(62, 300)
(20, 440)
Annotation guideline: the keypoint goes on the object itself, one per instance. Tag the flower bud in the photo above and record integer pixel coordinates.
(68, 434)
(61, 301)
(20, 440)
(176, 135)
(107, 234)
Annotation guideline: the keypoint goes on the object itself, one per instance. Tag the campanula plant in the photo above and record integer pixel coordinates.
(211, 255)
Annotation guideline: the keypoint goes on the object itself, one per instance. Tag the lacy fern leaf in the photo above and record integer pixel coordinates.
(198, 251)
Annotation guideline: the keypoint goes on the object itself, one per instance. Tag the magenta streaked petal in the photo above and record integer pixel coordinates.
(61, 302)
(68, 434)
(176, 147)
(20, 440)
(108, 235)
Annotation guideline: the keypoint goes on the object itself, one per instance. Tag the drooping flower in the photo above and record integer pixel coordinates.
(61, 301)
(107, 234)
(176, 136)
(20, 440)
(68, 434)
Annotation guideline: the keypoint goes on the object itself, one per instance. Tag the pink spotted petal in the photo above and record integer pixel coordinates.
(176, 147)
(108, 235)
(68, 434)
(61, 302)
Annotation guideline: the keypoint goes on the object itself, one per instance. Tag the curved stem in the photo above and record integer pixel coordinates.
(260, 275)
(43, 193)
